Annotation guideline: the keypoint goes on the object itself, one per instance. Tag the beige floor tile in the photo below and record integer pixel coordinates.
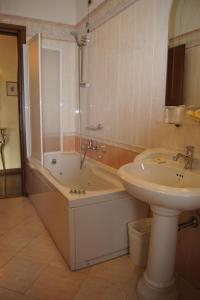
(31, 264)
(30, 228)
(187, 291)
(13, 212)
(14, 240)
(17, 206)
(25, 297)
(6, 255)
(19, 273)
(131, 290)
(6, 294)
(100, 289)
(22, 234)
(8, 221)
(57, 284)
(117, 270)
(58, 261)
(41, 249)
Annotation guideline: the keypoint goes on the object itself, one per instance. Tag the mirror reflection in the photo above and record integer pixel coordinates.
(183, 72)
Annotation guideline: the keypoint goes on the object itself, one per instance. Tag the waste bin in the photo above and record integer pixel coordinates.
(139, 236)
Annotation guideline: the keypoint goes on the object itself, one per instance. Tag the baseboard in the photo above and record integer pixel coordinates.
(11, 171)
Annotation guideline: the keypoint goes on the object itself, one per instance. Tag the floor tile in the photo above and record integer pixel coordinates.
(14, 240)
(100, 289)
(19, 273)
(56, 283)
(119, 270)
(41, 249)
(25, 297)
(6, 255)
(6, 294)
(131, 289)
(31, 267)
(187, 291)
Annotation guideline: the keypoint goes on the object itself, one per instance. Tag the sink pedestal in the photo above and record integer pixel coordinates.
(158, 282)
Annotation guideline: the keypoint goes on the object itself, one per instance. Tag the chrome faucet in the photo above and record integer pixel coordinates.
(90, 145)
(188, 157)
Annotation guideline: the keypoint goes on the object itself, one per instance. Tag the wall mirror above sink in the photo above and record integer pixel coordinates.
(183, 72)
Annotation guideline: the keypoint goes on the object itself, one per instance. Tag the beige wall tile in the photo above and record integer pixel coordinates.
(69, 143)
(114, 156)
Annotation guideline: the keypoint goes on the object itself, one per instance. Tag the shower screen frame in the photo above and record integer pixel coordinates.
(61, 102)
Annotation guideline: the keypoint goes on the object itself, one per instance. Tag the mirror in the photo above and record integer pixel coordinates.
(183, 71)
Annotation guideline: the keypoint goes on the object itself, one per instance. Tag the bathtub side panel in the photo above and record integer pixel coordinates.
(102, 231)
(53, 210)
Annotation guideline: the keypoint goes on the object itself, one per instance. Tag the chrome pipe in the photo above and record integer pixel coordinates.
(192, 222)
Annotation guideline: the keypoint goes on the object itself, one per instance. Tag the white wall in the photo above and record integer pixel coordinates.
(61, 11)
(9, 104)
(185, 17)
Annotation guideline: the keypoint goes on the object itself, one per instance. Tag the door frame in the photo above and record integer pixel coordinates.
(20, 33)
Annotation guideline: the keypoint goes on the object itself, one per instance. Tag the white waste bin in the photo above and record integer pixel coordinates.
(139, 236)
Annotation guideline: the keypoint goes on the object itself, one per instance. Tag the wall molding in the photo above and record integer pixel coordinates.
(49, 30)
(62, 32)
(103, 13)
(191, 39)
(11, 171)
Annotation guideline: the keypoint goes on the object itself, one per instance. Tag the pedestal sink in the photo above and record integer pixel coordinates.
(169, 189)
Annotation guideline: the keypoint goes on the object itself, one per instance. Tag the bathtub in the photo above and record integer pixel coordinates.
(85, 211)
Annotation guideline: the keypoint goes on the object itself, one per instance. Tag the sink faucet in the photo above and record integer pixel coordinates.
(188, 157)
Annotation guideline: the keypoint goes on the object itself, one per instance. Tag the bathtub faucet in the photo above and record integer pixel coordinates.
(90, 145)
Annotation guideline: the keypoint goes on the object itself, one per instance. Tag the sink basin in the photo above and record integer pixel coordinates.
(154, 177)
(158, 180)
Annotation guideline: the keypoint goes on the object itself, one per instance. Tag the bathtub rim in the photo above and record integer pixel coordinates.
(75, 200)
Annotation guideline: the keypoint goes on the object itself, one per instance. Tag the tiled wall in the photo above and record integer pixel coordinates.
(111, 155)
(126, 69)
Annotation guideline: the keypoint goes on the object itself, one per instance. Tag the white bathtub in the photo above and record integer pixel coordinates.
(93, 177)
(88, 227)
